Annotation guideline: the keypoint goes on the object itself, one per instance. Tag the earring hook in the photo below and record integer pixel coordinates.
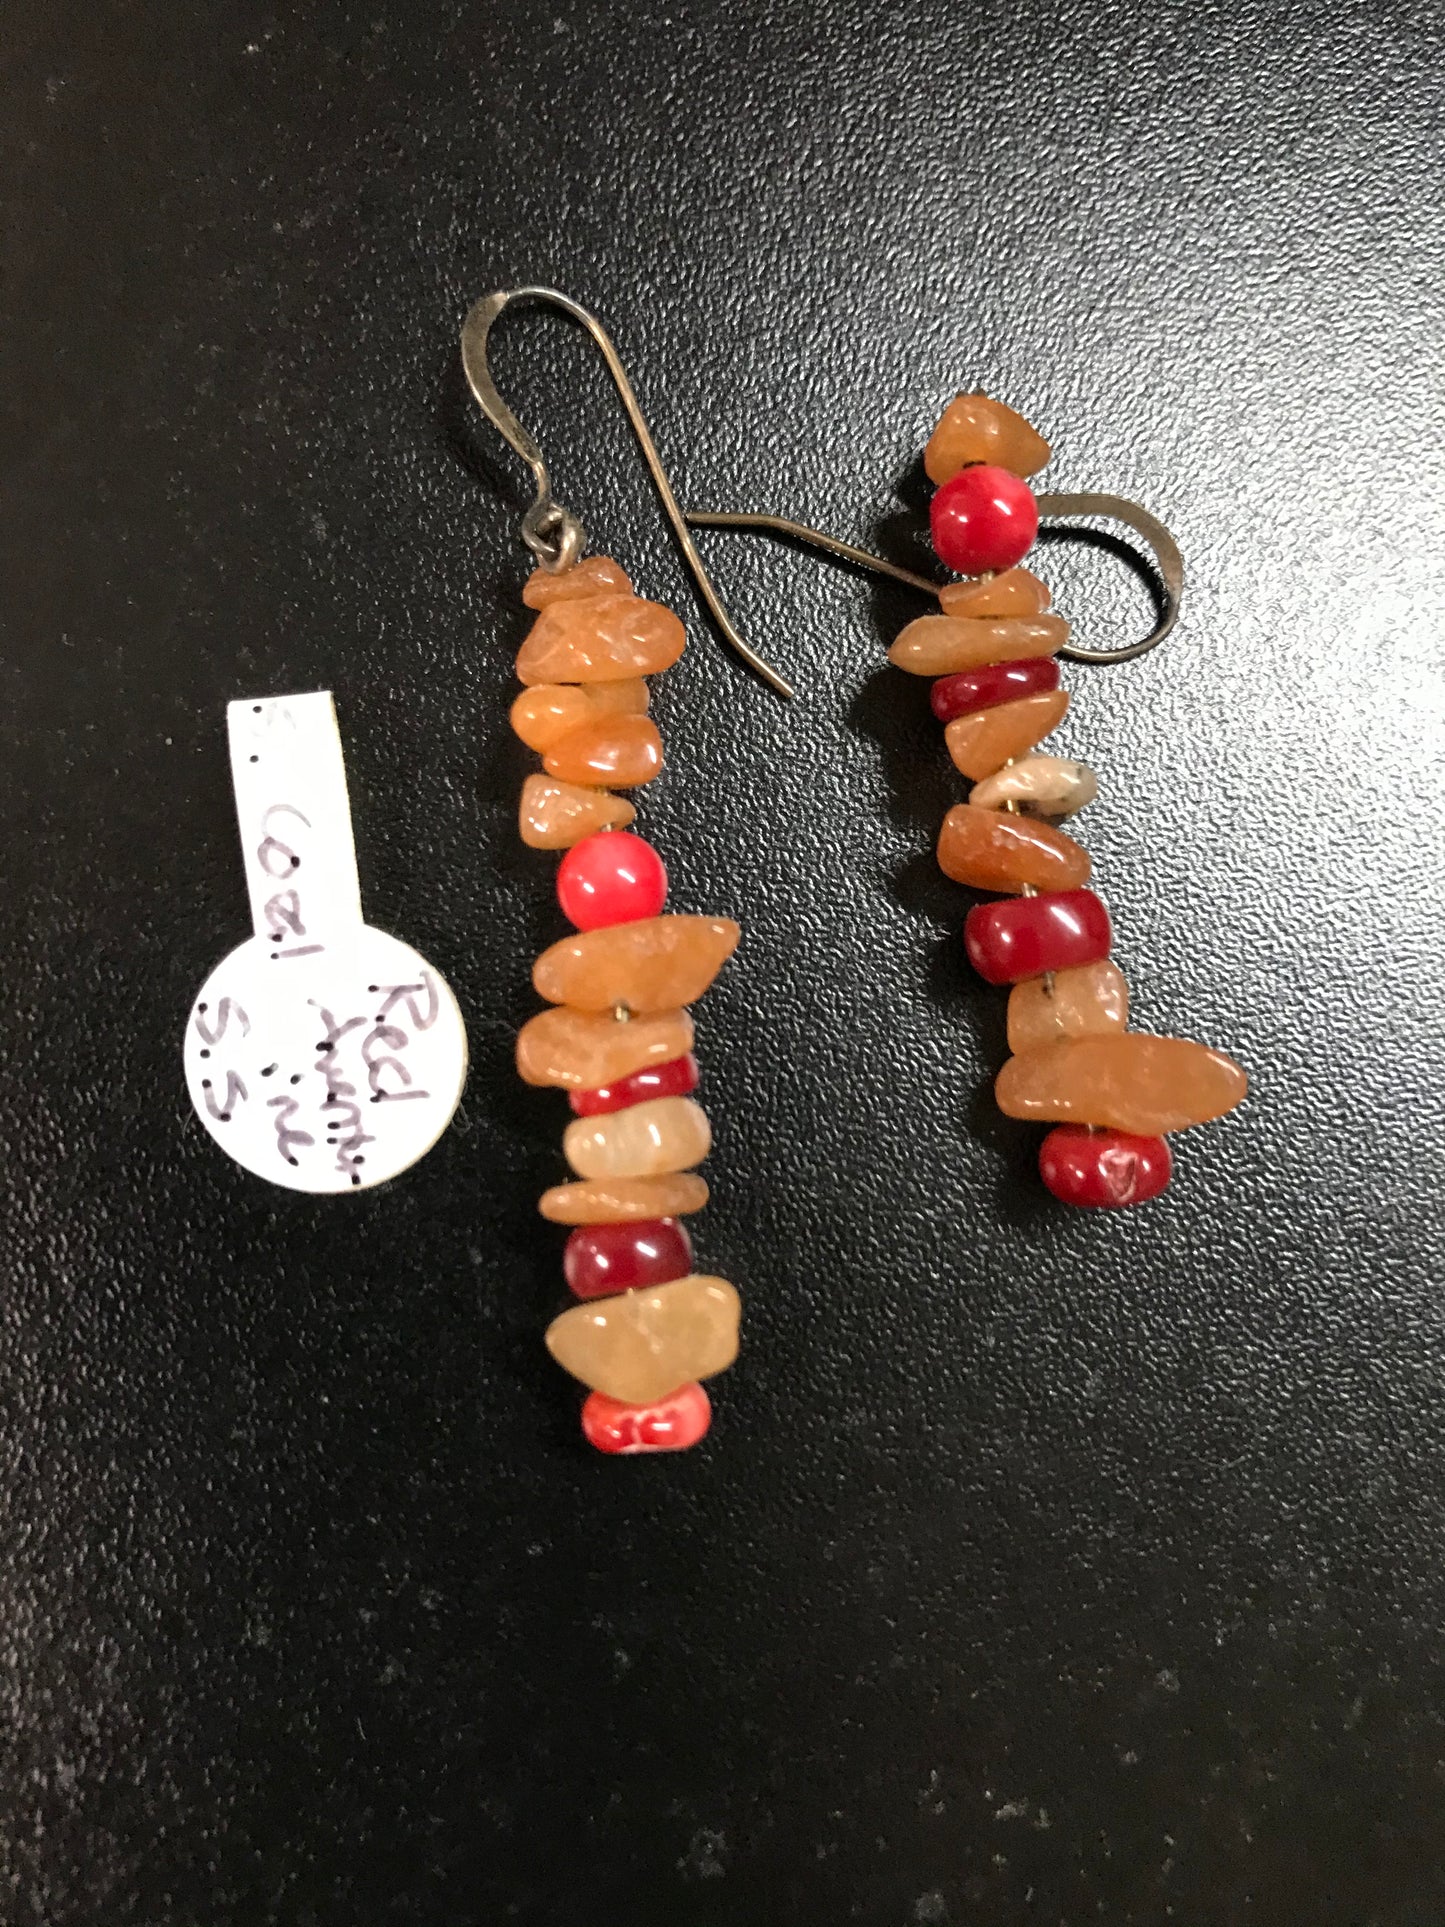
(552, 532)
(1115, 508)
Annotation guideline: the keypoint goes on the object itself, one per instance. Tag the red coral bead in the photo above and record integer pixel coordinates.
(1026, 936)
(602, 1259)
(1103, 1169)
(1000, 682)
(673, 1079)
(613, 877)
(669, 1424)
(983, 520)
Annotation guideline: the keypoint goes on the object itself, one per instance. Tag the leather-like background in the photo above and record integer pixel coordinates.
(1041, 1566)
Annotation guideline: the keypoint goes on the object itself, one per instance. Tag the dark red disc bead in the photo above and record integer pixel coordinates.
(1000, 682)
(984, 520)
(612, 877)
(669, 1424)
(602, 1259)
(1026, 936)
(676, 1078)
(1104, 1170)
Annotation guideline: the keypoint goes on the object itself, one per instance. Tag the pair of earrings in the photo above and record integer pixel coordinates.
(380, 1081)
(648, 1328)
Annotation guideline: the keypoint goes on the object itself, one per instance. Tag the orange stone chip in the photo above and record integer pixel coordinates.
(1017, 592)
(975, 429)
(555, 815)
(620, 751)
(598, 575)
(581, 1052)
(640, 1141)
(1045, 785)
(641, 1345)
(623, 1200)
(945, 645)
(600, 639)
(983, 742)
(1128, 1082)
(649, 965)
(543, 715)
(1080, 1002)
(990, 850)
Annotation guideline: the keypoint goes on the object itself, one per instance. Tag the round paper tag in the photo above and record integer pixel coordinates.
(321, 1054)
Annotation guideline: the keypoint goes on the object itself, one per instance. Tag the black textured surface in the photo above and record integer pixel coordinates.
(1039, 1568)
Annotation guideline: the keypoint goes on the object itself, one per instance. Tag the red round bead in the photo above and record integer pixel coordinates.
(984, 519)
(613, 877)
(1026, 936)
(669, 1424)
(602, 1259)
(673, 1079)
(1103, 1169)
(1000, 682)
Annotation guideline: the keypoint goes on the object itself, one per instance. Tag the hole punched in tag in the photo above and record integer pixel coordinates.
(1168, 561)
(551, 531)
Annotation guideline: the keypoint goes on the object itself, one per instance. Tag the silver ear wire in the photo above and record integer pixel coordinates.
(552, 532)
(1114, 508)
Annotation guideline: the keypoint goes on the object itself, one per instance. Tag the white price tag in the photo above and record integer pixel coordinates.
(322, 1054)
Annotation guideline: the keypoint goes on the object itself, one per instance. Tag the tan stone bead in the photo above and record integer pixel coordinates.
(624, 1200)
(622, 752)
(1017, 592)
(1045, 785)
(989, 850)
(555, 815)
(581, 1051)
(946, 645)
(598, 575)
(649, 965)
(641, 1345)
(600, 639)
(1127, 1081)
(542, 716)
(984, 741)
(645, 1140)
(975, 429)
(1083, 1002)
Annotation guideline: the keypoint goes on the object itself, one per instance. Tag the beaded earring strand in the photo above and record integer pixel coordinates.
(619, 1036)
(1113, 1094)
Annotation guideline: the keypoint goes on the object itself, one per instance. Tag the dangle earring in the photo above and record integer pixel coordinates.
(619, 1036)
(1113, 1094)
